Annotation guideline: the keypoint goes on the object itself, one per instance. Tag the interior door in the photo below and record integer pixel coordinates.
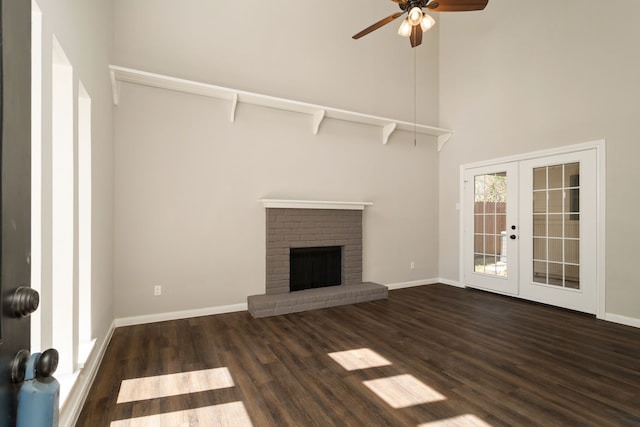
(15, 188)
(491, 229)
(558, 239)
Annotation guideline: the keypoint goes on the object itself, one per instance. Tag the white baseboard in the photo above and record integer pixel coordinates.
(70, 412)
(175, 315)
(623, 320)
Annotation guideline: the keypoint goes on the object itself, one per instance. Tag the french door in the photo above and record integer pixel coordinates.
(530, 229)
(491, 228)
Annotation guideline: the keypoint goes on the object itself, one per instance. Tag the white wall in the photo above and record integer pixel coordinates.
(84, 32)
(520, 77)
(188, 181)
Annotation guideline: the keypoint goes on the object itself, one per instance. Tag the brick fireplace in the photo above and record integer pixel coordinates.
(307, 224)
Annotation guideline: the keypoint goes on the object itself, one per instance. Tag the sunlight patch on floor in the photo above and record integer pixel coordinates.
(231, 414)
(461, 421)
(402, 391)
(361, 358)
(174, 384)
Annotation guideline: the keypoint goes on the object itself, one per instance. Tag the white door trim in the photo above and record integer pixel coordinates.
(600, 148)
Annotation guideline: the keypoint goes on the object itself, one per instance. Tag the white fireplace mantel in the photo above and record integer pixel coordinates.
(313, 204)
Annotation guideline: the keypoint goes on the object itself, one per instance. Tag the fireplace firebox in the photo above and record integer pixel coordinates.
(315, 267)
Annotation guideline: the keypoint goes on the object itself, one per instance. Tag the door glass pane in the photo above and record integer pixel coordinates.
(556, 225)
(555, 274)
(572, 276)
(539, 272)
(555, 176)
(540, 225)
(540, 249)
(572, 226)
(539, 201)
(490, 224)
(555, 201)
(540, 178)
(571, 175)
(555, 250)
(478, 260)
(572, 251)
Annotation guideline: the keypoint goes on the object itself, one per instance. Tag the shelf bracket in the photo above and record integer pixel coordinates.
(443, 139)
(318, 117)
(387, 130)
(234, 106)
(115, 87)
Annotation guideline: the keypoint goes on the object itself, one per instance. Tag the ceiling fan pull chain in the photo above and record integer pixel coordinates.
(415, 102)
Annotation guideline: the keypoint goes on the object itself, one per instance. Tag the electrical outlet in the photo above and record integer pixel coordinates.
(157, 290)
(412, 265)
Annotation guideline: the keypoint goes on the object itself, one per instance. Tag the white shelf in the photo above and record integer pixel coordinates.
(313, 204)
(317, 112)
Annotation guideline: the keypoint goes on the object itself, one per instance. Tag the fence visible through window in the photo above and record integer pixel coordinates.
(490, 224)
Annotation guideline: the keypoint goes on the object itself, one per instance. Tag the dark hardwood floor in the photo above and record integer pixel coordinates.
(496, 360)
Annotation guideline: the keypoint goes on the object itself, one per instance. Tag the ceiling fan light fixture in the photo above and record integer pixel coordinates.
(405, 28)
(415, 16)
(427, 23)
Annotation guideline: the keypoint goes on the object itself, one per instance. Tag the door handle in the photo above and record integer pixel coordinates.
(24, 301)
(18, 366)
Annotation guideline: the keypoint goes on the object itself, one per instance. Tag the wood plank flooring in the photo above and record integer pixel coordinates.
(428, 356)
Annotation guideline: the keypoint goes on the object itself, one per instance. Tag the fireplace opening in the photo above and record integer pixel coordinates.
(316, 267)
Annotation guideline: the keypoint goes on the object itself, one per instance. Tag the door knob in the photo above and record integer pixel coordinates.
(512, 237)
(24, 301)
(18, 366)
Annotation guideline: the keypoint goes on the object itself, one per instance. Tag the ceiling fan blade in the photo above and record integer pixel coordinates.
(416, 36)
(400, 1)
(377, 25)
(457, 5)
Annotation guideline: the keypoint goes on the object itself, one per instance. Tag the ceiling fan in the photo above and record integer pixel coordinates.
(417, 21)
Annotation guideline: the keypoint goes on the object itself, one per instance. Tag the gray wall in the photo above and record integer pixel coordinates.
(521, 77)
(188, 181)
(188, 185)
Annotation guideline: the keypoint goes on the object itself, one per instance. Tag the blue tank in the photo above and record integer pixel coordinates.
(39, 396)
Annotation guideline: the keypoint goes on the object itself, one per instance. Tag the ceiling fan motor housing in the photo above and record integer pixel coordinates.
(408, 5)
